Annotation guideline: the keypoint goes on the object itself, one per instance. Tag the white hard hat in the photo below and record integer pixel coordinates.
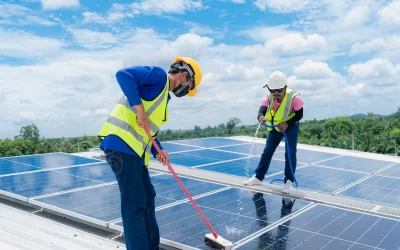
(277, 80)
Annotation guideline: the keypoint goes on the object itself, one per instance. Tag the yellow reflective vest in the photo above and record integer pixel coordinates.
(282, 113)
(122, 123)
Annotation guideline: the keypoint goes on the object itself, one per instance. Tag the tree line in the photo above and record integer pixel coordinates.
(370, 133)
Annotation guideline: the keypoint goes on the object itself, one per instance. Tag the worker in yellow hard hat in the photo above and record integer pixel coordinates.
(127, 147)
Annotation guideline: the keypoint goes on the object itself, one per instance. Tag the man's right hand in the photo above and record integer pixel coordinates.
(261, 119)
(141, 117)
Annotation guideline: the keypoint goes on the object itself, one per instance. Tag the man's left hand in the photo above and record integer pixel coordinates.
(164, 158)
(283, 126)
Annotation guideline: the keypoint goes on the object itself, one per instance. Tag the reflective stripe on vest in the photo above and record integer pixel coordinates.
(122, 123)
(286, 115)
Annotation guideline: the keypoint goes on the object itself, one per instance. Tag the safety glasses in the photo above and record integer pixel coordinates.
(277, 90)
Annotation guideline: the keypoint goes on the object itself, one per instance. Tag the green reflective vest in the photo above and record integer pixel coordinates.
(122, 123)
(282, 113)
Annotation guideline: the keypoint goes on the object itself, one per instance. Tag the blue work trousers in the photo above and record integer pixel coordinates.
(273, 140)
(137, 201)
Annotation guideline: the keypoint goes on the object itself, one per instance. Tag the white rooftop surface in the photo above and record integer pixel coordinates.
(27, 231)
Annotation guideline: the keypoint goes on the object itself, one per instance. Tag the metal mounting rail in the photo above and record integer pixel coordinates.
(349, 203)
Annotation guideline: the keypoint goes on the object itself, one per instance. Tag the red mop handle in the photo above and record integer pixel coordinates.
(182, 186)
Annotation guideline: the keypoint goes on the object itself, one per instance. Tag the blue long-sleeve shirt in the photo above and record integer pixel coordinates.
(138, 82)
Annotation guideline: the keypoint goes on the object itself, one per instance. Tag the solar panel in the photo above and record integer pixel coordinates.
(52, 160)
(309, 156)
(393, 171)
(86, 188)
(201, 157)
(376, 188)
(12, 167)
(356, 163)
(209, 142)
(173, 148)
(42, 183)
(322, 179)
(246, 167)
(234, 214)
(103, 203)
(323, 227)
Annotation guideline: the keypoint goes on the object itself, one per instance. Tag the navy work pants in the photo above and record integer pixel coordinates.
(137, 201)
(273, 140)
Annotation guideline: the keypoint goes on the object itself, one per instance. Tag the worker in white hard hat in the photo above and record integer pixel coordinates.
(283, 107)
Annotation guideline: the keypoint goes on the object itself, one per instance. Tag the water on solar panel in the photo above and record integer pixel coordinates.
(322, 179)
(234, 214)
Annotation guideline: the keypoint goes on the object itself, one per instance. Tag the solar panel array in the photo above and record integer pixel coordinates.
(86, 188)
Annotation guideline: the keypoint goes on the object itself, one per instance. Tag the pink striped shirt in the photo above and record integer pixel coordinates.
(297, 103)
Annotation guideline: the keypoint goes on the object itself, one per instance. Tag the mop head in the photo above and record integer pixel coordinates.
(219, 242)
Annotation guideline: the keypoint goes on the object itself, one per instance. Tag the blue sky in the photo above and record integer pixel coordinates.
(58, 58)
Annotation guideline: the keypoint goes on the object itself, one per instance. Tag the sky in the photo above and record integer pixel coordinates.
(58, 58)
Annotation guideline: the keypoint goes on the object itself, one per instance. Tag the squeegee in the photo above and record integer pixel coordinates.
(212, 237)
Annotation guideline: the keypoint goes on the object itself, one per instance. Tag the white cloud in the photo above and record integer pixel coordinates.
(239, 1)
(263, 33)
(390, 14)
(22, 44)
(313, 70)
(382, 69)
(280, 6)
(158, 7)
(290, 44)
(93, 39)
(8, 10)
(355, 17)
(14, 14)
(378, 44)
(59, 4)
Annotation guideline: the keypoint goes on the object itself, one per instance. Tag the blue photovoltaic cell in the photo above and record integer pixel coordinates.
(307, 156)
(356, 164)
(393, 171)
(11, 167)
(41, 183)
(329, 228)
(210, 142)
(103, 203)
(233, 213)
(321, 179)
(376, 188)
(245, 149)
(200, 157)
(172, 148)
(99, 172)
(238, 167)
(52, 160)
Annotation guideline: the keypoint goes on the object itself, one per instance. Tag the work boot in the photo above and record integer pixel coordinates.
(288, 186)
(253, 181)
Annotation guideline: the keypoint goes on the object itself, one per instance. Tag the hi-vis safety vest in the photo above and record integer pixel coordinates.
(122, 123)
(282, 113)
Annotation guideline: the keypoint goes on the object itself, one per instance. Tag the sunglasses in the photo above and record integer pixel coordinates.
(277, 90)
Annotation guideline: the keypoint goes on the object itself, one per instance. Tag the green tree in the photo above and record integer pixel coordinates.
(232, 123)
(30, 132)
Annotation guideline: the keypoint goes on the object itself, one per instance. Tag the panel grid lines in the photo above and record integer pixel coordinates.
(87, 189)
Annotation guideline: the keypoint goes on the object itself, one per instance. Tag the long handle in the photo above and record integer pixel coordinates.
(182, 186)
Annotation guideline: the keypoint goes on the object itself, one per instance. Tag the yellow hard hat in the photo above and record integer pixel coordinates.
(197, 74)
